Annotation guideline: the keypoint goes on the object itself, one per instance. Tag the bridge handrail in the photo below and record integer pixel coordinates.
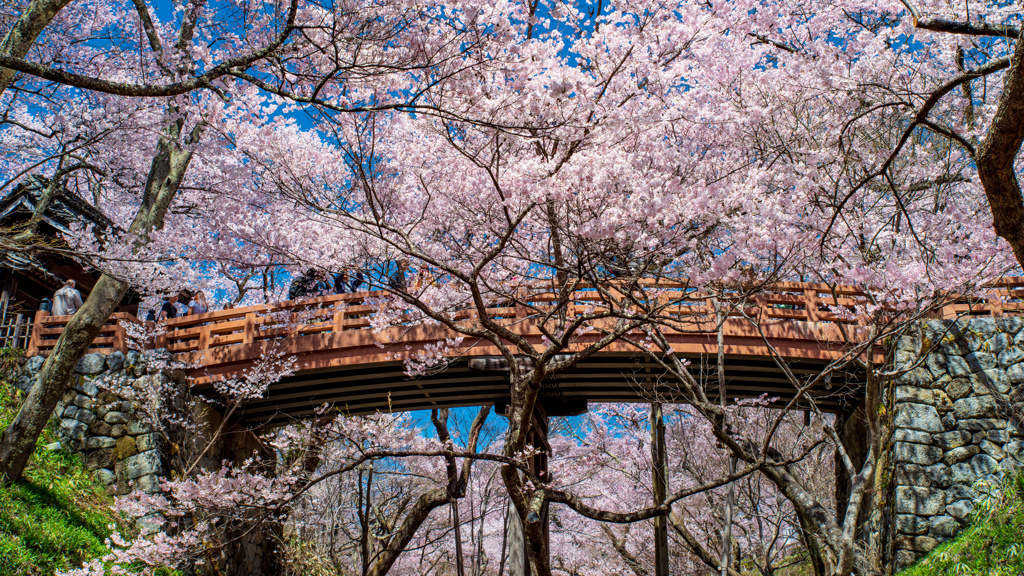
(797, 301)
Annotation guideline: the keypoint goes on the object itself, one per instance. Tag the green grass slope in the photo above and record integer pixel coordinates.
(992, 546)
(56, 517)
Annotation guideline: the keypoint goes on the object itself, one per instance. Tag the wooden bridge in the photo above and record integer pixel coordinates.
(341, 360)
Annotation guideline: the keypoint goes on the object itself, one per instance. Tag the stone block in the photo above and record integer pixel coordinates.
(948, 421)
(35, 364)
(83, 401)
(905, 558)
(1015, 449)
(1010, 356)
(146, 442)
(940, 474)
(101, 428)
(924, 544)
(115, 418)
(957, 367)
(136, 427)
(961, 492)
(960, 510)
(1015, 373)
(910, 524)
(115, 360)
(998, 343)
(984, 465)
(73, 428)
(87, 387)
(962, 473)
(913, 436)
(975, 407)
(919, 501)
(150, 524)
(142, 464)
(71, 412)
(936, 364)
(952, 439)
(1011, 325)
(985, 381)
(95, 442)
(918, 378)
(126, 406)
(916, 453)
(102, 458)
(104, 477)
(91, 364)
(958, 388)
(912, 475)
(981, 327)
(85, 416)
(942, 526)
(149, 483)
(998, 436)
(957, 455)
(936, 398)
(118, 430)
(980, 361)
(919, 417)
(126, 447)
(992, 449)
(977, 424)
(54, 446)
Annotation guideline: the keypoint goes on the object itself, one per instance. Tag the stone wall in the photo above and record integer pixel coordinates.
(110, 431)
(956, 426)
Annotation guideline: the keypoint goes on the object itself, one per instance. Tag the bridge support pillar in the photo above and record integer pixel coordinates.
(518, 544)
(659, 472)
(249, 545)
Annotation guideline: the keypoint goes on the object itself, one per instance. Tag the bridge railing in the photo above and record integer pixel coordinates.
(792, 301)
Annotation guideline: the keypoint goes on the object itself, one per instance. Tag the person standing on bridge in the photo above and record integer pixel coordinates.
(167, 309)
(346, 283)
(397, 279)
(67, 300)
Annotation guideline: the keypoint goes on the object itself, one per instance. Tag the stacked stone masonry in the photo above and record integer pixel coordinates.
(955, 430)
(109, 432)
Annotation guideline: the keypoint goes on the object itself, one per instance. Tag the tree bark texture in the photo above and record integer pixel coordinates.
(996, 157)
(20, 38)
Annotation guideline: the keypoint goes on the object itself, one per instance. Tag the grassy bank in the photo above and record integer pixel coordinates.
(56, 517)
(992, 546)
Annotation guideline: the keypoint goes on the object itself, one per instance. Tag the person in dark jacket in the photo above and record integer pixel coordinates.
(303, 286)
(397, 279)
(346, 282)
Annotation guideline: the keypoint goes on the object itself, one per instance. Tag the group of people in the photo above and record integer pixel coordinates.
(181, 304)
(315, 283)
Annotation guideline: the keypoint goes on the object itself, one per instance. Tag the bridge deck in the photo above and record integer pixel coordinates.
(341, 360)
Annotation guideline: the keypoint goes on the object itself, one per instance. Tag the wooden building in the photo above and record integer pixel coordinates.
(27, 277)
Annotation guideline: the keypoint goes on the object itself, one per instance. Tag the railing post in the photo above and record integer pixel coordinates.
(339, 318)
(37, 324)
(120, 337)
(204, 337)
(249, 332)
(811, 305)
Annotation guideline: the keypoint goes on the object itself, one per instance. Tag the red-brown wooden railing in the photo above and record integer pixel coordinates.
(784, 301)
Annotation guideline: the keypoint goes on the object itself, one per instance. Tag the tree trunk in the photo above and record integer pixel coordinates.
(997, 154)
(19, 439)
(20, 38)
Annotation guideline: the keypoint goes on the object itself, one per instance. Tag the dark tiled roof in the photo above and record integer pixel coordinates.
(66, 209)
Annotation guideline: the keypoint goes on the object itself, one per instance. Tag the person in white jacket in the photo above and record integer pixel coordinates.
(67, 300)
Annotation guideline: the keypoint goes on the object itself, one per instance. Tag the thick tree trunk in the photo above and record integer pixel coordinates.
(996, 157)
(20, 38)
(19, 439)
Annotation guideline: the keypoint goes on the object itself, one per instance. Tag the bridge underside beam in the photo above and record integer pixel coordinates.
(384, 387)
